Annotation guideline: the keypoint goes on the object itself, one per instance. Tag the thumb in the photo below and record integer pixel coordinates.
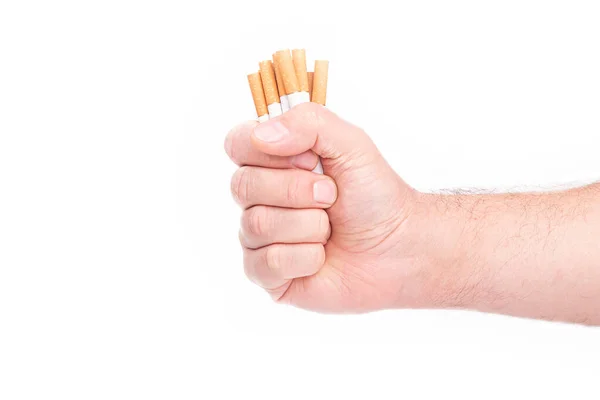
(370, 193)
(310, 126)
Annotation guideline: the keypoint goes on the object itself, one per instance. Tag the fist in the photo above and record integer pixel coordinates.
(350, 240)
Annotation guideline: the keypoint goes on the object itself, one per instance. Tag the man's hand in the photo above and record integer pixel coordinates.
(340, 242)
(359, 239)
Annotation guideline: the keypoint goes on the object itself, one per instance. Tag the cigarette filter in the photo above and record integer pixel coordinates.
(319, 90)
(290, 80)
(310, 83)
(269, 83)
(258, 95)
(285, 105)
(299, 62)
(288, 75)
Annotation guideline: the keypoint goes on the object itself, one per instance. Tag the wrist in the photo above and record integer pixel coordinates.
(449, 236)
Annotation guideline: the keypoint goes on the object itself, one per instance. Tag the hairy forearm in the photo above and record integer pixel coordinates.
(530, 254)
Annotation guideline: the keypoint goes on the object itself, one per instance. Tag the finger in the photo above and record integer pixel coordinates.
(262, 226)
(273, 266)
(291, 188)
(310, 126)
(240, 150)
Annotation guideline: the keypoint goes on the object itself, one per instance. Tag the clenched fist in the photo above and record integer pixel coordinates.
(359, 239)
(345, 241)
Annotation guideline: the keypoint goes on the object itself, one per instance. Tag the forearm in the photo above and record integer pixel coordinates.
(530, 255)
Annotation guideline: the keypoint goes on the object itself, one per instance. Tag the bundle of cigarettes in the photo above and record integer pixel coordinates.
(285, 82)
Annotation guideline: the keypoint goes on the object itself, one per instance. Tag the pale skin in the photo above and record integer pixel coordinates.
(360, 239)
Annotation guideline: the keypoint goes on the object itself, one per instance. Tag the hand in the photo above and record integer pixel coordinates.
(352, 240)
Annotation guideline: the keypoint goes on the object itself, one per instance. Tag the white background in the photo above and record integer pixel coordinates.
(120, 271)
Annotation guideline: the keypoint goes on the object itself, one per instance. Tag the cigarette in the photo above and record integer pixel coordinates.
(310, 84)
(285, 105)
(290, 79)
(295, 80)
(269, 83)
(319, 89)
(258, 95)
(291, 83)
(299, 60)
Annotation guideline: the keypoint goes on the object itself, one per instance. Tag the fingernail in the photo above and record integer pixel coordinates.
(271, 132)
(324, 192)
(306, 160)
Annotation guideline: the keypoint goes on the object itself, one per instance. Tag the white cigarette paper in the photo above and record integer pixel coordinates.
(298, 98)
(274, 110)
(285, 103)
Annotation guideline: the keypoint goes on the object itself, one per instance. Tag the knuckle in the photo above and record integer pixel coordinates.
(308, 107)
(234, 141)
(293, 191)
(273, 258)
(240, 185)
(256, 221)
(310, 114)
(246, 244)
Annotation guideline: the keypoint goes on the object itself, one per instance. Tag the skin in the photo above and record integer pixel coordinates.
(359, 239)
